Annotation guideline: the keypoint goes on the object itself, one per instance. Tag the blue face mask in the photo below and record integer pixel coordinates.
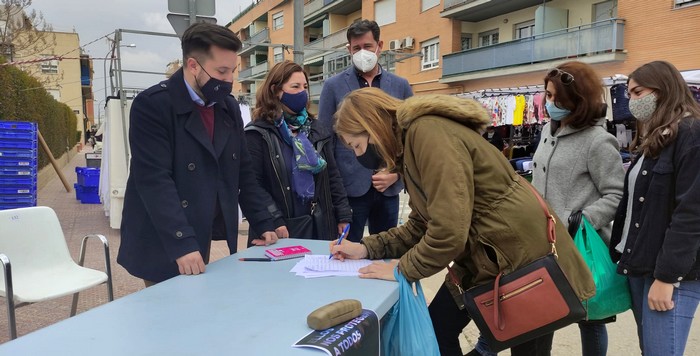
(295, 102)
(556, 113)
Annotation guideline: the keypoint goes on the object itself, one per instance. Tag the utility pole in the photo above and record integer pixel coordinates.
(299, 32)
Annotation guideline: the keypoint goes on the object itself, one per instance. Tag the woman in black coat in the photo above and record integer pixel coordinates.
(293, 158)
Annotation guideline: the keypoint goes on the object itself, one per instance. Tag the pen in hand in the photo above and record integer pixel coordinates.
(340, 239)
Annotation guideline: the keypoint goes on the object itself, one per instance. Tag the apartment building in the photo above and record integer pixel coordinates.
(462, 46)
(67, 79)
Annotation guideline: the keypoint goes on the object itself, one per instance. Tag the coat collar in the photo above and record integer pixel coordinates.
(182, 102)
(569, 130)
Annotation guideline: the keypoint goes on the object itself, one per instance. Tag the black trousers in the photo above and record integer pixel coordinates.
(449, 321)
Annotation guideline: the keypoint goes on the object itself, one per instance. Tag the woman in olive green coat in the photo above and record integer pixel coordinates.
(467, 203)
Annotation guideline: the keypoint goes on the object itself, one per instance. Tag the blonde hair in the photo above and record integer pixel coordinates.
(372, 111)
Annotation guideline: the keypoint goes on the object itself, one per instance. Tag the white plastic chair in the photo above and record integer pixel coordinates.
(41, 267)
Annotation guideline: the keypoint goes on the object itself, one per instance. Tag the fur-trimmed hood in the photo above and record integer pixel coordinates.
(468, 112)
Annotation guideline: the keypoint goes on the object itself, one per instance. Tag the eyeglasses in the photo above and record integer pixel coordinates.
(566, 78)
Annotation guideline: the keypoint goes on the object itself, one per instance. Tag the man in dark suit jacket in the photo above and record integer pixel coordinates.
(188, 163)
(373, 195)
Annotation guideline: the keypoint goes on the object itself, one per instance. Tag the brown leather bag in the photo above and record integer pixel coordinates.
(532, 301)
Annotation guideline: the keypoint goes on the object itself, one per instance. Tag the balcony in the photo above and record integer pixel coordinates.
(479, 10)
(253, 73)
(593, 43)
(314, 50)
(315, 8)
(257, 40)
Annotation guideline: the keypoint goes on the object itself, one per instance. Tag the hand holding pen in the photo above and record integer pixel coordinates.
(340, 239)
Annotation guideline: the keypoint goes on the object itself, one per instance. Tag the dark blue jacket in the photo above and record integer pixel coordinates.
(356, 178)
(664, 234)
(178, 176)
(271, 170)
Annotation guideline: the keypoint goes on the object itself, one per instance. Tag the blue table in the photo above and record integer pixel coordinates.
(235, 308)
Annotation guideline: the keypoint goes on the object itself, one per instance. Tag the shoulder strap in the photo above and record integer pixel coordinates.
(551, 222)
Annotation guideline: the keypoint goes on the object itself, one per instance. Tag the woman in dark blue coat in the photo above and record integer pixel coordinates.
(293, 158)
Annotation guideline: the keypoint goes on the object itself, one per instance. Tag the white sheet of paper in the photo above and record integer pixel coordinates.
(315, 266)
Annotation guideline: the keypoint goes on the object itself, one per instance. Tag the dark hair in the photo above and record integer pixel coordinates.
(267, 105)
(673, 102)
(198, 39)
(359, 28)
(583, 96)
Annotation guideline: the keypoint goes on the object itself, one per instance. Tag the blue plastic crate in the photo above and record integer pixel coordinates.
(17, 144)
(88, 176)
(18, 199)
(18, 135)
(89, 195)
(18, 162)
(13, 181)
(17, 171)
(21, 153)
(18, 190)
(18, 125)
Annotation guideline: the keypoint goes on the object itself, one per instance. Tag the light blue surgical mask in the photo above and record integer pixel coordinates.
(556, 113)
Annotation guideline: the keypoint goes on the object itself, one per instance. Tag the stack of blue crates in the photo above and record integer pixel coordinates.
(18, 164)
(86, 190)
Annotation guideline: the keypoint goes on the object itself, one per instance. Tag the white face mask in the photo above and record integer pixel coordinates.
(643, 108)
(364, 60)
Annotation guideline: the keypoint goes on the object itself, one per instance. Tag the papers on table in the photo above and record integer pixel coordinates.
(313, 266)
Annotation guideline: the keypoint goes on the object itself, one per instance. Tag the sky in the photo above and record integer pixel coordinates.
(93, 19)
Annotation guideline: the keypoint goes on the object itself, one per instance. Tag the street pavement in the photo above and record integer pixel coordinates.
(78, 219)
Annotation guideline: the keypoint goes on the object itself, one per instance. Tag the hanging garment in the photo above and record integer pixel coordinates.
(620, 103)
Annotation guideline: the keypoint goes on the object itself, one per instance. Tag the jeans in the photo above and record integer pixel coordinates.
(594, 339)
(664, 332)
(449, 321)
(373, 208)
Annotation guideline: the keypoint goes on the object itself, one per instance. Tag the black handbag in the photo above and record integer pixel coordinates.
(532, 301)
(301, 227)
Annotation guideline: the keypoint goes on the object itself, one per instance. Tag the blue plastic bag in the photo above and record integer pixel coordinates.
(407, 328)
(612, 295)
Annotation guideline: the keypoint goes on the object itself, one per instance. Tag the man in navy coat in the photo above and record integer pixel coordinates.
(372, 194)
(189, 165)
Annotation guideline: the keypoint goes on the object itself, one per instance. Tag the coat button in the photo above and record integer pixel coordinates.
(641, 199)
(544, 169)
(624, 271)
(644, 172)
(534, 164)
(629, 250)
(680, 279)
(234, 156)
(191, 167)
(163, 85)
(178, 234)
(636, 225)
(287, 188)
(184, 203)
(553, 143)
(545, 140)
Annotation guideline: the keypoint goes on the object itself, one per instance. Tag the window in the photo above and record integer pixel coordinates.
(278, 21)
(488, 38)
(524, 29)
(428, 4)
(279, 56)
(604, 10)
(55, 93)
(385, 12)
(466, 41)
(337, 65)
(683, 3)
(431, 54)
(49, 66)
